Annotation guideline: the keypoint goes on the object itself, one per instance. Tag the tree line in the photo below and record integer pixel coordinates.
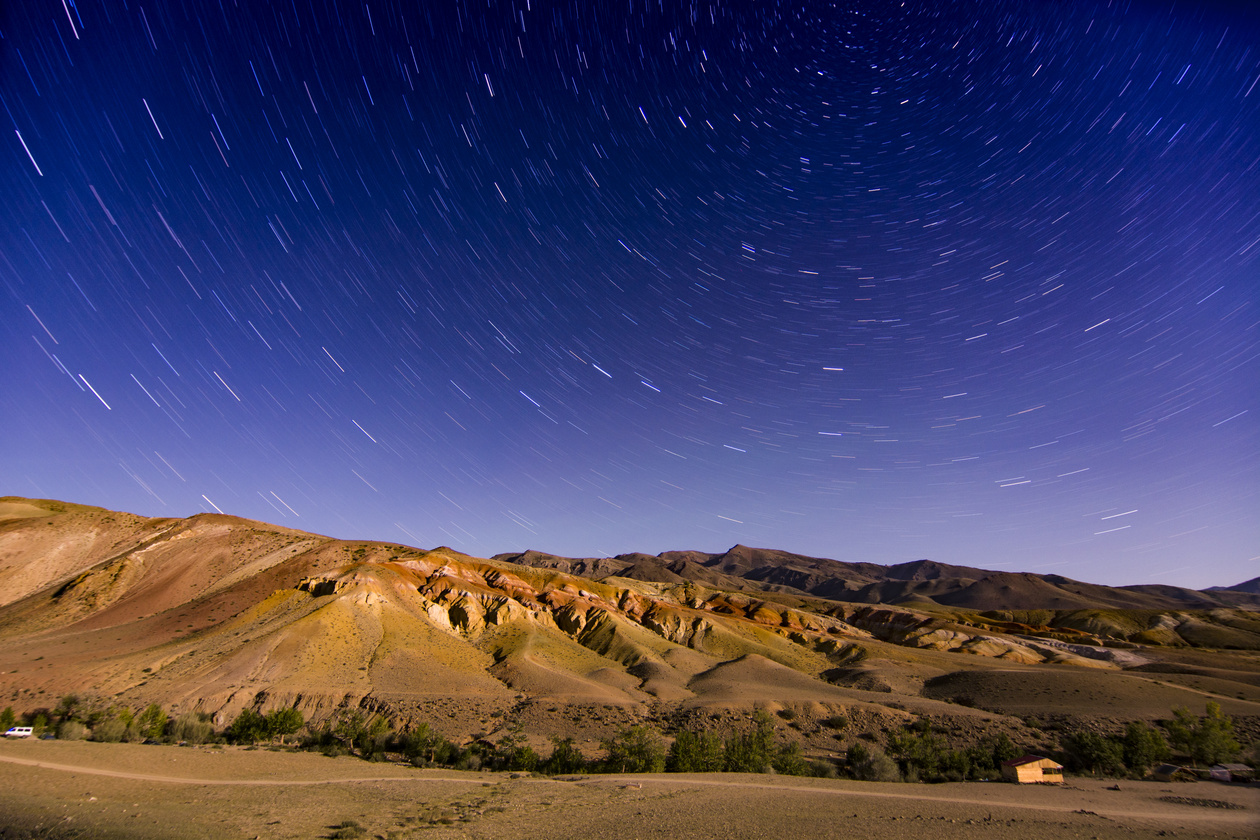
(914, 753)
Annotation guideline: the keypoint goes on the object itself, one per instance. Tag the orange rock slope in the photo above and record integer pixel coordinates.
(215, 613)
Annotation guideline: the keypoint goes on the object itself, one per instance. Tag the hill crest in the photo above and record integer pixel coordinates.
(215, 613)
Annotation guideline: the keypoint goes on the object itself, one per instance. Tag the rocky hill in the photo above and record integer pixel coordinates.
(921, 581)
(217, 613)
(1252, 586)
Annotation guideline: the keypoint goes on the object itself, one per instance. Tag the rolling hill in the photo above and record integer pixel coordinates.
(217, 613)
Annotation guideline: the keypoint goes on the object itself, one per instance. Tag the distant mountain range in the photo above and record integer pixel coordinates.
(216, 613)
(921, 581)
(1252, 586)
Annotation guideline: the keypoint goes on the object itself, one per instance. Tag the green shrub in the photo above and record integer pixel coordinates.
(111, 730)
(565, 757)
(68, 708)
(822, 769)
(424, 747)
(1143, 747)
(152, 722)
(376, 739)
(871, 764)
(696, 752)
(72, 730)
(635, 750)
(350, 726)
(468, 760)
(1003, 749)
(752, 752)
(922, 754)
(283, 721)
(1209, 739)
(985, 759)
(191, 728)
(1092, 753)
(790, 761)
(512, 752)
(248, 728)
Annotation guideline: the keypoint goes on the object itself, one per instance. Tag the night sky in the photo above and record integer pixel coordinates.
(973, 282)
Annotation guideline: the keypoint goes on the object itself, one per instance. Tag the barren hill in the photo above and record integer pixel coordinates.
(920, 581)
(216, 613)
(1252, 586)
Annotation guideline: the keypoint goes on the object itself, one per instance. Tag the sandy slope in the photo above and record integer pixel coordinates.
(216, 613)
(119, 790)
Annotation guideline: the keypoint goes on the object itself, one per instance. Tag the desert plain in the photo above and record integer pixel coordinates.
(78, 790)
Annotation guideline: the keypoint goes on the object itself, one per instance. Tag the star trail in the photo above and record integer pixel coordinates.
(973, 282)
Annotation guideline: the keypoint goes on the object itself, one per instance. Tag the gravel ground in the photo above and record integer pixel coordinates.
(107, 791)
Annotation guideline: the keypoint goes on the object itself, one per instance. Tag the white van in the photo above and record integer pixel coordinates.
(20, 732)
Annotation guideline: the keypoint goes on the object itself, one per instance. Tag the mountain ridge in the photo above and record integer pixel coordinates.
(757, 569)
(217, 613)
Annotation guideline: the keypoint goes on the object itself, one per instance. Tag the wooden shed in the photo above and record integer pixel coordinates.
(1174, 773)
(1032, 769)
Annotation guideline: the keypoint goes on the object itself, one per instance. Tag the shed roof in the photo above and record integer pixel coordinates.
(1032, 759)
(1171, 768)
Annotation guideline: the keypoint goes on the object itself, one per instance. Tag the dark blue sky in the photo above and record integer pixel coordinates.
(975, 282)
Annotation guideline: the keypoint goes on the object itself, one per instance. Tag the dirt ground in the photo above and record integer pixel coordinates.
(52, 789)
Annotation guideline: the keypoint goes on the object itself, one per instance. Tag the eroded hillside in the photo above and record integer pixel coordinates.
(217, 613)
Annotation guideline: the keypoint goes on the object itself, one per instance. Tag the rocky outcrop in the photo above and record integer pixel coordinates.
(319, 587)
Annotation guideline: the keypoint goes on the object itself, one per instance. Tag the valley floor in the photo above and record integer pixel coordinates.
(52, 789)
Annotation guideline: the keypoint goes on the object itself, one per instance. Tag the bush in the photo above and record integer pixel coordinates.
(7, 719)
(72, 730)
(635, 750)
(985, 759)
(152, 722)
(922, 753)
(111, 730)
(1143, 747)
(1092, 753)
(752, 752)
(283, 721)
(375, 741)
(248, 728)
(468, 760)
(696, 752)
(513, 752)
(789, 761)
(565, 757)
(1209, 739)
(68, 708)
(424, 747)
(871, 764)
(192, 728)
(822, 769)
(350, 727)
(333, 749)
(1003, 749)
